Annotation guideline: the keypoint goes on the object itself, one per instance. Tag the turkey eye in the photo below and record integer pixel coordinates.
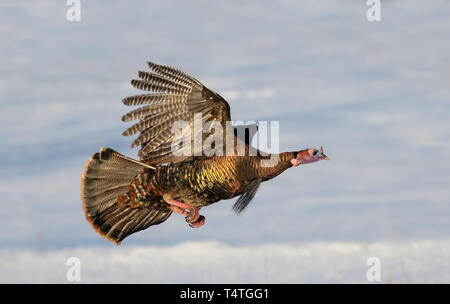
(315, 152)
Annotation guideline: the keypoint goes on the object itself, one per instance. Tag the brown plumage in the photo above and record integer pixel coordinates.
(121, 196)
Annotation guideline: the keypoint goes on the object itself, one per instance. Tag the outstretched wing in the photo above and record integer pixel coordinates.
(175, 96)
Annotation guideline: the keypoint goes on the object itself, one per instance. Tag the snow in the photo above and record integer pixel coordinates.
(414, 261)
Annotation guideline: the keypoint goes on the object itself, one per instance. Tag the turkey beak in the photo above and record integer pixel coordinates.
(323, 155)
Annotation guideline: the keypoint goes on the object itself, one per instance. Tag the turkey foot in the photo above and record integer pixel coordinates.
(198, 223)
(192, 216)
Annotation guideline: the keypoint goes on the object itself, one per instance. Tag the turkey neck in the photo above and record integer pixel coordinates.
(280, 163)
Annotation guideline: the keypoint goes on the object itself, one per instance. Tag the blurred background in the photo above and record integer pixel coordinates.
(376, 95)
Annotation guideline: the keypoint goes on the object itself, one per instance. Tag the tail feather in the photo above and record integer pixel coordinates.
(108, 175)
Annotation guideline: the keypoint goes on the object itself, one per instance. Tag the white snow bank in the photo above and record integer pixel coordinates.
(210, 262)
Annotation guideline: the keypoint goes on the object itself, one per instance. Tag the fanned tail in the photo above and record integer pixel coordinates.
(111, 193)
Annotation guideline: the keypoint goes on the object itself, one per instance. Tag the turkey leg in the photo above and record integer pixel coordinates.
(192, 216)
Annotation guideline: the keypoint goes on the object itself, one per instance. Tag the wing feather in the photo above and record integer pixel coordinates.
(173, 74)
(143, 112)
(152, 99)
(156, 130)
(160, 80)
(155, 87)
(153, 120)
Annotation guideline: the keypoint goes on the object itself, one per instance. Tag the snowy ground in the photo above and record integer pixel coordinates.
(423, 261)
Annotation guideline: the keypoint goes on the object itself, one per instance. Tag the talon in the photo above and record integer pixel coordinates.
(198, 223)
(193, 215)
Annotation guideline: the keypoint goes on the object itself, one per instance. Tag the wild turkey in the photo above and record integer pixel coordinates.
(121, 195)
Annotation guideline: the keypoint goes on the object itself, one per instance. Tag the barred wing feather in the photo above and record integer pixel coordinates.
(175, 96)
